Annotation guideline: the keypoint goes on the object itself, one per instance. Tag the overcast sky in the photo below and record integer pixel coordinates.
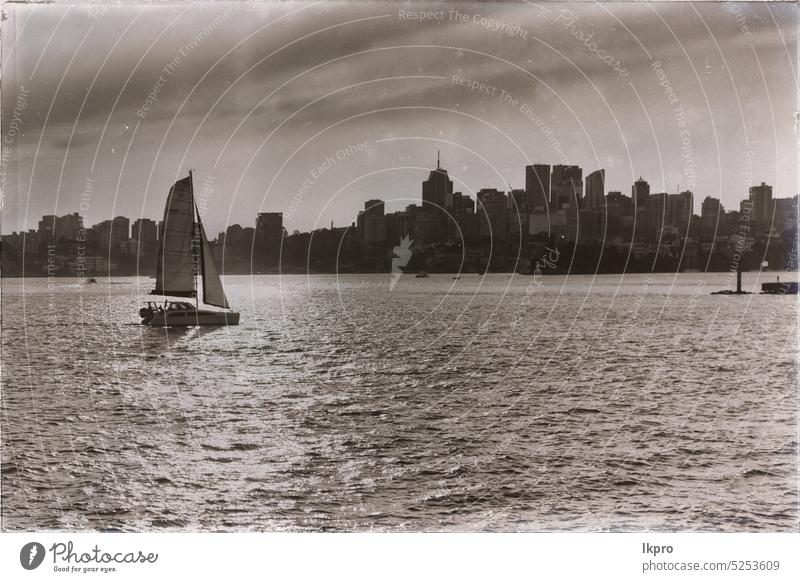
(263, 94)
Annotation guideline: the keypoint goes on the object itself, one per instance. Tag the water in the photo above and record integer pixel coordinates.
(485, 403)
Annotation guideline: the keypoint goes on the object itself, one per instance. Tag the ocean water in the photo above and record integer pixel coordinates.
(359, 402)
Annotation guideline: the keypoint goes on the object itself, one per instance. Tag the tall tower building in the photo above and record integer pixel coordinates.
(595, 189)
(492, 211)
(566, 187)
(762, 206)
(640, 192)
(537, 187)
(437, 197)
(712, 213)
(679, 209)
(371, 223)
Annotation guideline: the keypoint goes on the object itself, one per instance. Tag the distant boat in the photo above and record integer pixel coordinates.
(91, 280)
(183, 254)
(422, 275)
(778, 288)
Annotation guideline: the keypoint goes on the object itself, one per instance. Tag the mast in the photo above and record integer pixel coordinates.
(195, 229)
(739, 277)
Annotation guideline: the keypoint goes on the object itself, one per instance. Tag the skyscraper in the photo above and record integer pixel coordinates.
(763, 206)
(712, 213)
(785, 214)
(371, 222)
(537, 187)
(437, 197)
(492, 213)
(654, 212)
(640, 192)
(518, 201)
(679, 209)
(595, 189)
(566, 187)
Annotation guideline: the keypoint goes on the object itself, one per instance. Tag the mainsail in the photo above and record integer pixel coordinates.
(213, 293)
(175, 267)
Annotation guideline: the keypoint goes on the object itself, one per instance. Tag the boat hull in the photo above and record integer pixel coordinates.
(778, 288)
(192, 318)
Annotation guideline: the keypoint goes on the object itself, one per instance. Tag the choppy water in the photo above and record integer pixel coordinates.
(474, 404)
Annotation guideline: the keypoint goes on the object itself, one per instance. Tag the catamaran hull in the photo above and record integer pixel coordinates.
(192, 318)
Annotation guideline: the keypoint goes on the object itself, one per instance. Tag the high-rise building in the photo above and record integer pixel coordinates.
(371, 222)
(464, 224)
(566, 187)
(492, 213)
(47, 228)
(437, 197)
(518, 214)
(102, 232)
(424, 224)
(655, 211)
(60, 228)
(640, 192)
(111, 234)
(762, 207)
(595, 189)
(518, 201)
(120, 230)
(145, 231)
(786, 214)
(69, 226)
(712, 213)
(537, 187)
(679, 210)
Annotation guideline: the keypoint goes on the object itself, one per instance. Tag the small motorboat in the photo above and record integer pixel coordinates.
(422, 275)
(91, 280)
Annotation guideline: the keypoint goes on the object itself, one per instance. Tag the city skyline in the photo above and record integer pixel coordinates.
(449, 231)
(695, 102)
(607, 206)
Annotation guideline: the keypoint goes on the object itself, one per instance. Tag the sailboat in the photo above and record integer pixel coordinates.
(183, 254)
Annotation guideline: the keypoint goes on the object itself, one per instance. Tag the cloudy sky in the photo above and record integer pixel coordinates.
(104, 107)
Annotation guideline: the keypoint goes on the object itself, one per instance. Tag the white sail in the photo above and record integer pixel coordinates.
(175, 267)
(213, 293)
